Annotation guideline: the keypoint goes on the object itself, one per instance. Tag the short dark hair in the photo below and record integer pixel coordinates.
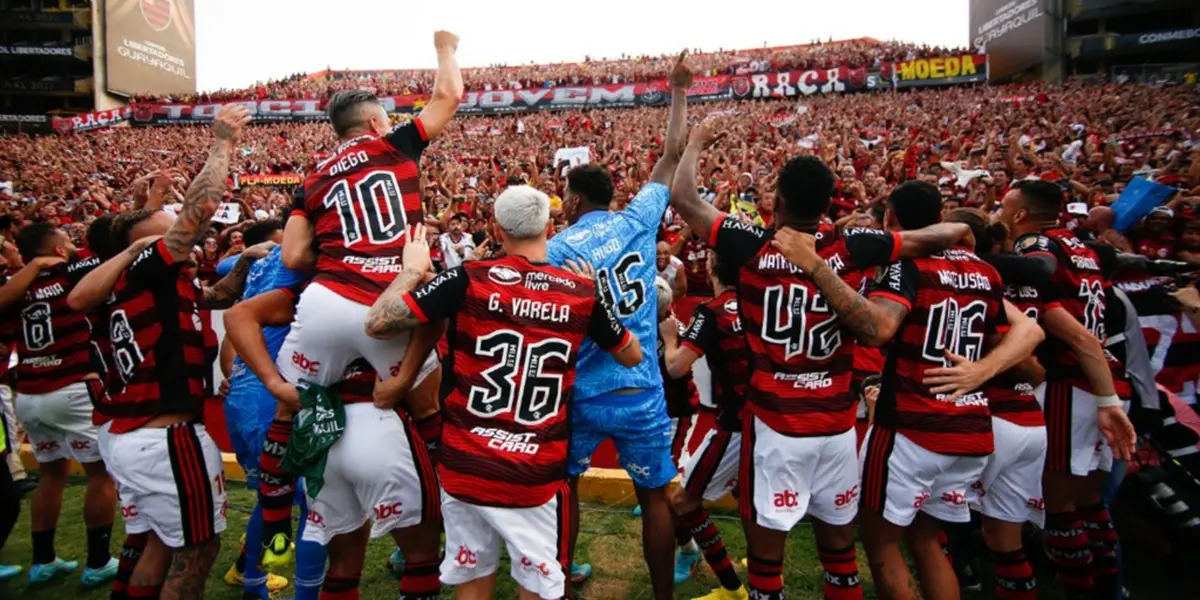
(123, 224)
(726, 269)
(592, 183)
(806, 187)
(100, 236)
(916, 204)
(31, 238)
(6, 222)
(345, 109)
(261, 231)
(1042, 199)
(989, 236)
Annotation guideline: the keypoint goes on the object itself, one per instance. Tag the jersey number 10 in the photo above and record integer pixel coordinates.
(373, 188)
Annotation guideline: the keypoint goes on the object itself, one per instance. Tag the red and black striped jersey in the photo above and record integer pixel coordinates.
(1163, 326)
(206, 268)
(358, 383)
(954, 302)
(681, 394)
(801, 360)
(513, 339)
(695, 264)
(716, 332)
(53, 347)
(1011, 397)
(361, 200)
(156, 340)
(1077, 286)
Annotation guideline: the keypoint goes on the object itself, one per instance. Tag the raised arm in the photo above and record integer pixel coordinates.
(932, 239)
(447, 87)
(204, 194)
(698, 214)
(96, 286)
(229, 288)
(18, 284)
(297, 252)
(680, 80)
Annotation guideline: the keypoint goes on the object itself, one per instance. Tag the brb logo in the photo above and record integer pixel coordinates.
(129, 512)
(386, 511)
(639, 470)
(787, 499)
(80, 445)
(465, 558)
(47, 446)
(956, 498)
(847, 498)
(316, 518)
(312, 367)
(920, 500)
(540, 567)
(1038, 504)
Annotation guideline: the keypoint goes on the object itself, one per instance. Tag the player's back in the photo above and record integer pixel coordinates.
(955, 301)
(727, 353)
(53, 347)
(508, 379)
(621, 246)
(361, 200)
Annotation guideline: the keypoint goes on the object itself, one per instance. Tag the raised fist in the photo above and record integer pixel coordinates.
(230, 121)
(444, 40)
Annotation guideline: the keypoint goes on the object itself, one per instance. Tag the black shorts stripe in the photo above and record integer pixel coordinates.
(562, 528)
(431, 500)
(192, 483)
(1059, 400)
(706, 466)
(683, 427)
(880, 442)
(746, 471)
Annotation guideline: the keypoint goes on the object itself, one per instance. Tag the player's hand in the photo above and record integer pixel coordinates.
(681, 74)
(230, 121)
(388, 392)
(707, 133)
(669, 329)
(223, 389)
(140, 244)
(47, 262)
(1118, 431)
(444, 40)
(258, 251)
(287, 394)
(1187, 297)
(581, 268)
(958, 380)
(799, 248)
(416, 250)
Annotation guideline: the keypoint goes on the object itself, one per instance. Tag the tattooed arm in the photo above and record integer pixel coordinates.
(208, 188)
(873, 321)
(228, 290)
(390, 315)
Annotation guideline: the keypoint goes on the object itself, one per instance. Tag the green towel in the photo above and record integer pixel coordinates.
(318, 426)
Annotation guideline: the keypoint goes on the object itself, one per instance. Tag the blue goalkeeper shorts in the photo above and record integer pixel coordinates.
(638, 426)
(249, 410)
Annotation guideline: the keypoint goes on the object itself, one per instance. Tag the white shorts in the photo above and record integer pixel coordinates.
(900, 478)
(373, 473)
(59, 423)
(712, 470)
(1010, 487)
(170, 481)
(784, 478)
(1075, 444)
(328, 334)
(536, 539)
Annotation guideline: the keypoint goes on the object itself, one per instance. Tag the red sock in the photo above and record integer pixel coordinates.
(765, 578)
(131, 551)
(701, 528)
(149, 592)
(1102, 540)
(1014, 576)
(277, 488)
(340, 588)
(1067, 547)
(430, 430)
(841, 573)
(420, 581)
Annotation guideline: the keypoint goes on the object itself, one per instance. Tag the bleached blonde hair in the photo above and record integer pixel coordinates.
(665, 296)
(522, 212)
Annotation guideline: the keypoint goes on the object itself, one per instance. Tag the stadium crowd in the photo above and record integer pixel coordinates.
(864, 52)
(731, 196)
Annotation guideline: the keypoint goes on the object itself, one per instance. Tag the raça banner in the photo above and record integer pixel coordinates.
(91, 120)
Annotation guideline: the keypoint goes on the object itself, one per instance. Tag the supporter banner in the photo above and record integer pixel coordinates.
(227, 213)
(279, 179)
(787, 84)
(12, 118)
(942, 70)
(55, 50)
(91, 120)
